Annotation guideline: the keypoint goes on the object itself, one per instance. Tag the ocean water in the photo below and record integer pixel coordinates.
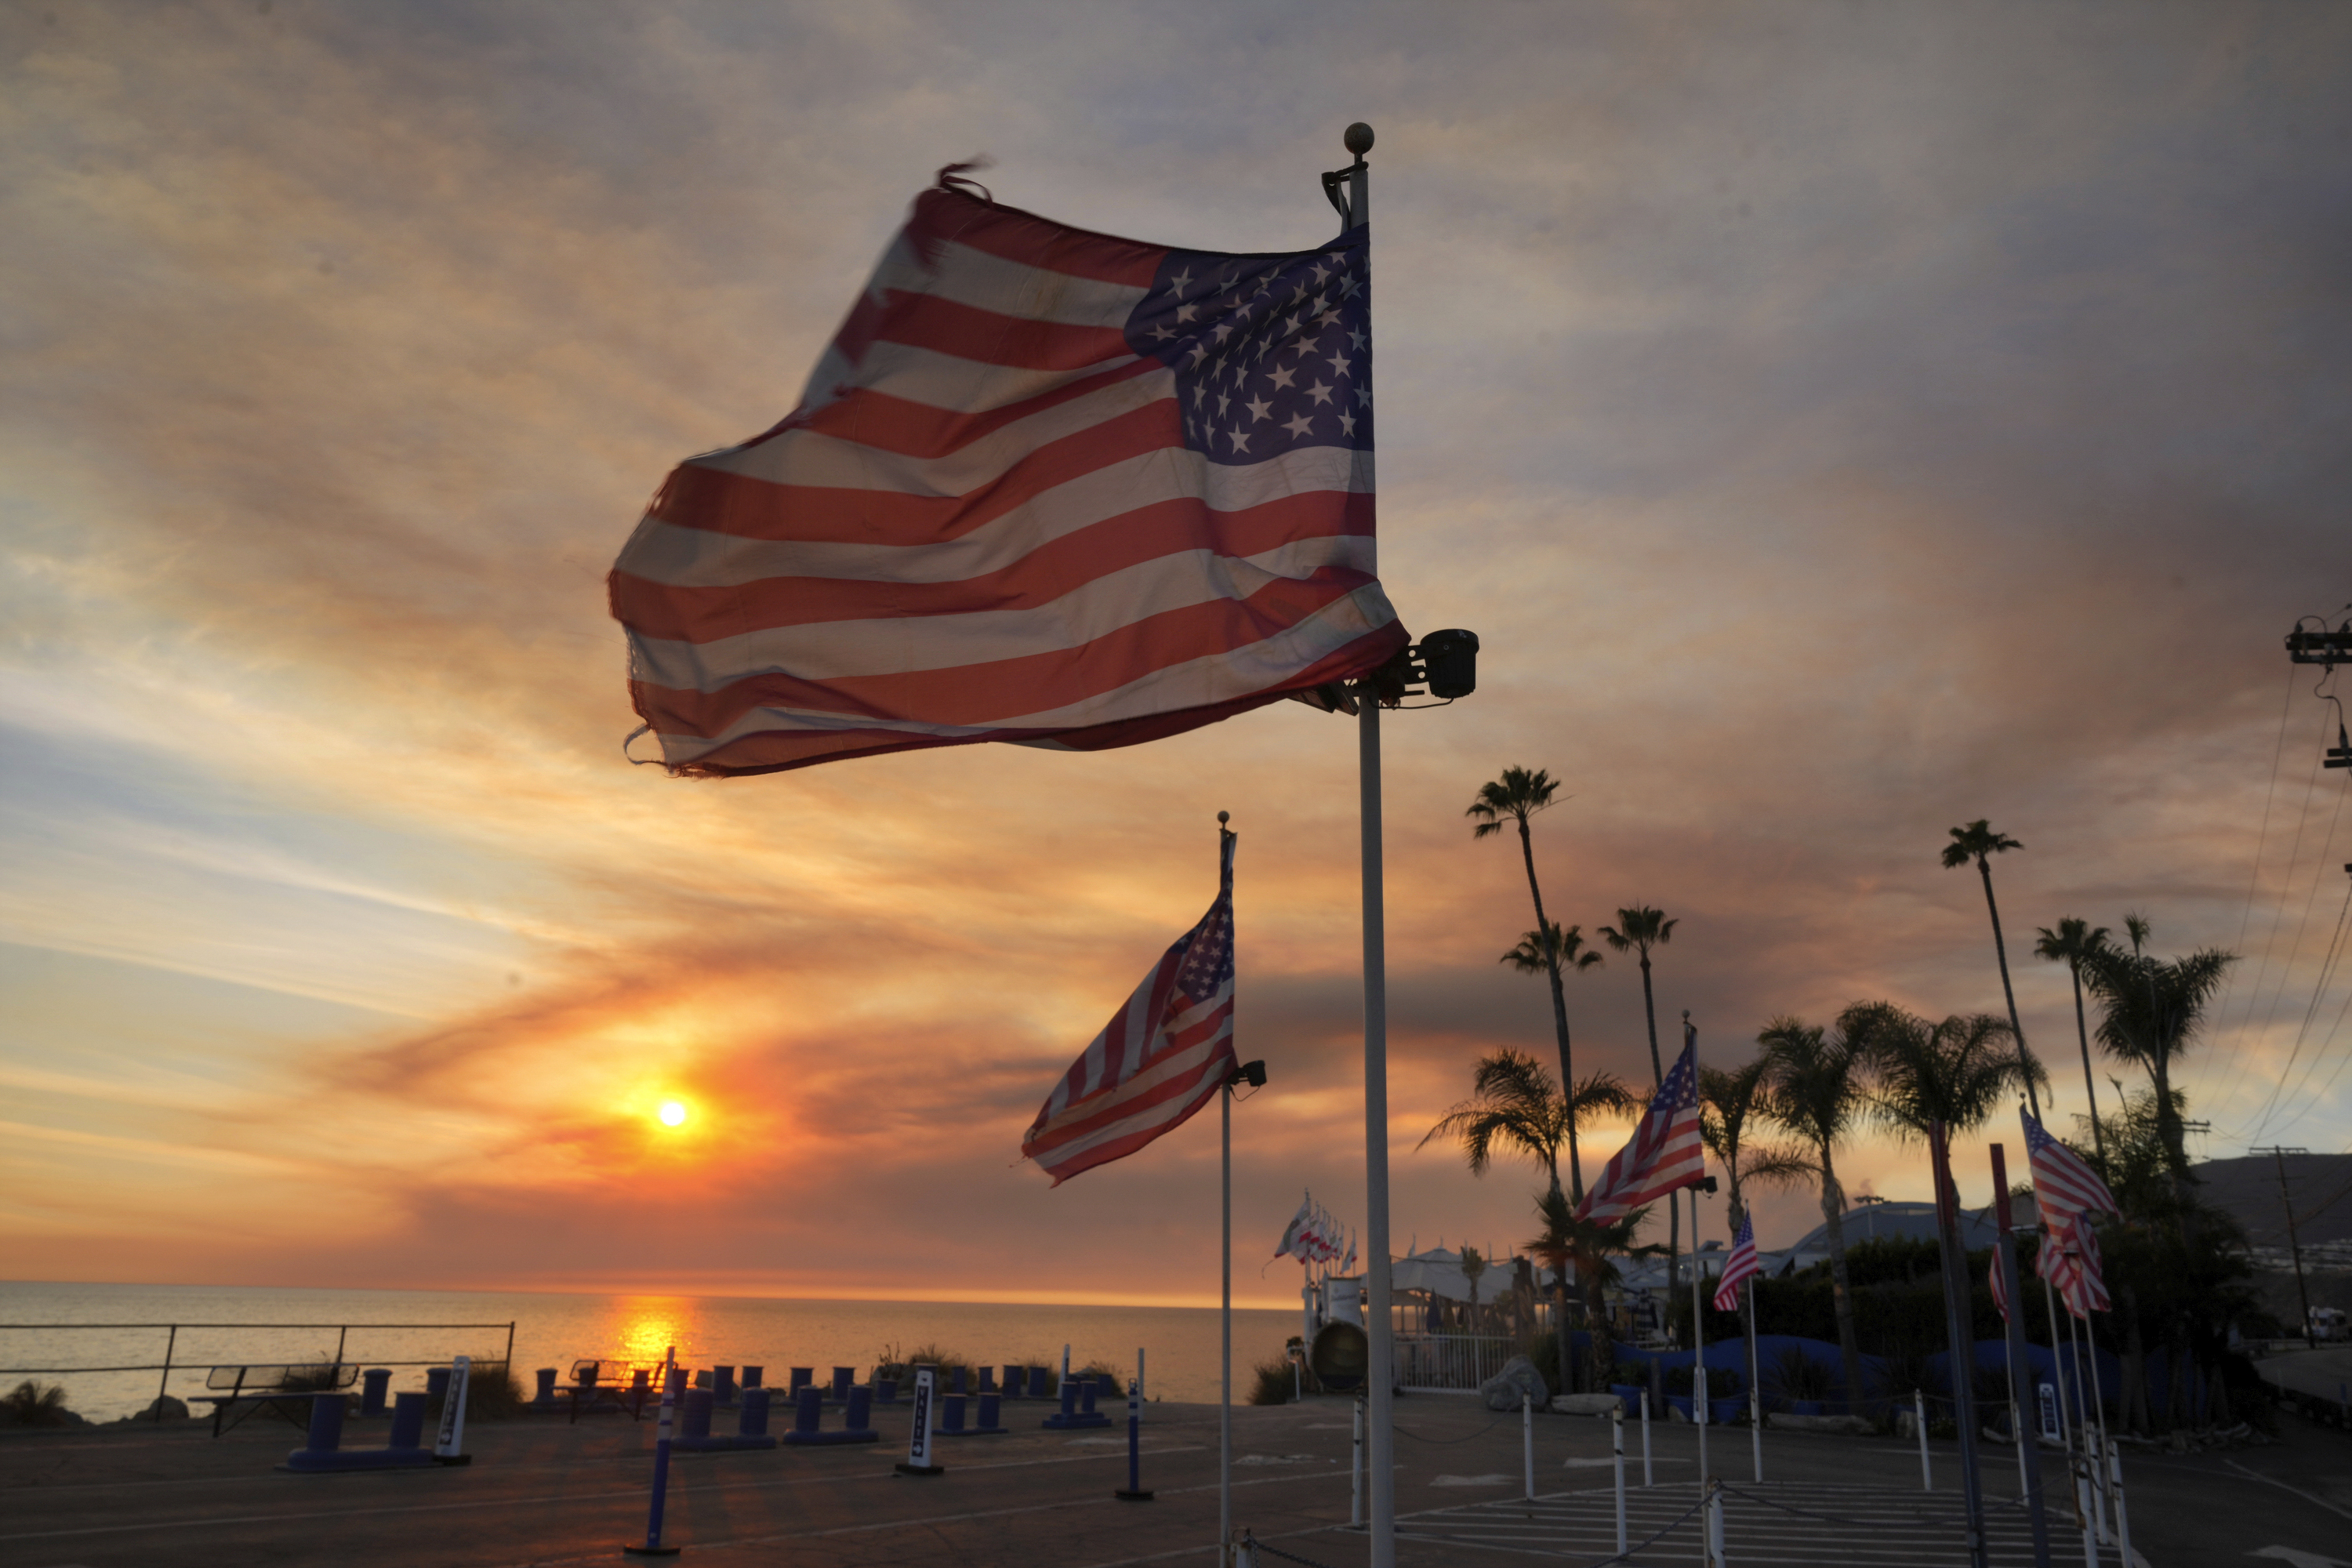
(122, 1327)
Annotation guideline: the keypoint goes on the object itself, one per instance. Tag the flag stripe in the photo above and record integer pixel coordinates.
(986, 691)
(1016, 235)
(888, 423)
(969, 276)
(1107, 1111)
(1030, 578)
(950, 327)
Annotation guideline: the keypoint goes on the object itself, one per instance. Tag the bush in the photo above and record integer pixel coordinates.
(494, 1393)
(899, 1364)
(1273, 1382)
(1796, 1376)
(31, 1403)
(1632, 1374)
(1721, 1381)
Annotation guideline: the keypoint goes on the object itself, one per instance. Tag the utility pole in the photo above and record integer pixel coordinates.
(2294, 1247)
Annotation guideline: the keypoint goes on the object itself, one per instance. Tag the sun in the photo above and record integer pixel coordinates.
(672, 1113)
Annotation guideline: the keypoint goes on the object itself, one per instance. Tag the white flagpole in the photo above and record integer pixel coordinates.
(1225, 1332)
(1380, 1374)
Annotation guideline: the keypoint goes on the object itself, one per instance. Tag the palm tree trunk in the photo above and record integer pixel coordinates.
(1841, 1288)
(1674, 1211)
(1567, 1384)
(2001, 952)
(2090, 1085)
(1558, 1008)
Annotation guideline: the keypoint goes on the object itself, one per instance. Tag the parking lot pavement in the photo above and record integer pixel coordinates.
(541, 1491)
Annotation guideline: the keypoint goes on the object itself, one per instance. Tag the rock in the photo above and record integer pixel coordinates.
(1858, 1426)
(1586, 1403)
(171, 1410)
(1518, 1377)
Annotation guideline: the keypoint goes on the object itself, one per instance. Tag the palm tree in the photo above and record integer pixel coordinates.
(2152, 1010)
(2072, 942)
(1473, 1265)
(1730, 1099)
(1818, 1083)
(1552, 950)
(1980, 843)
(1516, 1108)
(1588, 1249)
(1638, 929)
(1933, 1080)
(1515, 798)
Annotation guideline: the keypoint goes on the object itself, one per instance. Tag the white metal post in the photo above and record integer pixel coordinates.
(1225, 1328)
(1919, 1420)
(1698, 1339)
(1528, 1438)
(1355, 1473)
(1648, 1479)
(1617, 1448)
(1380, 1331)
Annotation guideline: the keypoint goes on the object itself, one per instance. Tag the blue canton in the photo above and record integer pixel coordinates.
(1270, 352)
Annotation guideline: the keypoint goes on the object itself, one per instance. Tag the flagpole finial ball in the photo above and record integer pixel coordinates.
(1224, 817)
(1359, 138)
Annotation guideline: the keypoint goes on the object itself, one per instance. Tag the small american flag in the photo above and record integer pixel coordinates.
(2062, 1184)
(2070, 1261)
(1161, 1058)
(1739, 1268)
(2000, 1288)
(1046, 487)
(1664, 1154)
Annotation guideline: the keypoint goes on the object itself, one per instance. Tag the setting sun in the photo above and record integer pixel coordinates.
(672, 1113)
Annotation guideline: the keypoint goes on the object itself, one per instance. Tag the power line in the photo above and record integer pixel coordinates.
(2327, 974)
(2262, 841)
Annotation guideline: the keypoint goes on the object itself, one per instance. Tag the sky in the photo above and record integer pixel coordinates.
(1838, 422)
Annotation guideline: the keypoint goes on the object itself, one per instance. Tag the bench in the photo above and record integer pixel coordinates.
(273, 1387)
(596, 1380)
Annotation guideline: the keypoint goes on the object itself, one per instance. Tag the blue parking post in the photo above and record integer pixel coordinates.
(653, 1546)
(1134, 1492)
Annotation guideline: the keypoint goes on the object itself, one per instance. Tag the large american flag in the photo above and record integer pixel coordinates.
(1046, 486)
(2063, 1184)
(1663, 1156)
(1739, 1268)
(1162, 1056)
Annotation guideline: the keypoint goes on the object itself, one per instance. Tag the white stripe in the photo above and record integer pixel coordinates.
(1213, 678)
(959, 386)
(1173, 1065)
(902, 645)
(699, 558)
(1162, 1114)
(986, 282)
(810, 457)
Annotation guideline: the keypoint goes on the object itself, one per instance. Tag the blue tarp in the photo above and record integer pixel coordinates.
(1732, 1355)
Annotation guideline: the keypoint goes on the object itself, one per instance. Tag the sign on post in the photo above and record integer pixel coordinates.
(2051, 1429)
(919, 1461)
(453, 1414)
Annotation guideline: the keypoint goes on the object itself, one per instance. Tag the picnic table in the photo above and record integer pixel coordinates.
(272, 1386)
(626, 1383)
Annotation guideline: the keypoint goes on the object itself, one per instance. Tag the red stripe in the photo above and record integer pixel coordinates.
(1120, 1148)
(1116, 1105)
(1015, 236)
(875, 418)
(996, 690)
(695, 495)
(967, 331)
(778, 751)
(1051, 570)
(1116, 1109)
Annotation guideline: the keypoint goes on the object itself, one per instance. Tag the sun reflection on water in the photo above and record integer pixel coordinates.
(649, 1325)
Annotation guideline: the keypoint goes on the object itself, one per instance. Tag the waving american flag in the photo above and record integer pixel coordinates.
(1162, 1056)
(2064, 1181)
(1046, 486)
(1739, 1268)
(1663, 1156)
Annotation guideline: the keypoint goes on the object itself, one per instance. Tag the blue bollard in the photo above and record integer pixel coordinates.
(545, 1398)
(694, 1418)
(857, 1426)
(408, 1420)
(702, 1379)
(754, 1377)
(436, 1385)
(754, 1422)
(990, 1421)
(326, 1424)
(1037, 1375)
(1087, 1396)
(373, 1383)
(886, 1391)
(1070, 1416)
(951, 1416)
(843, 1378)
(801, 1376)
(955, 1380)
(988, 1380)
(859, 1417)
(1133, 1491)
(722, 1385)
(808, 1411)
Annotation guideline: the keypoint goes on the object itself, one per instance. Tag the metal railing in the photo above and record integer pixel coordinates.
(171, 1333)
(1450, 1364)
